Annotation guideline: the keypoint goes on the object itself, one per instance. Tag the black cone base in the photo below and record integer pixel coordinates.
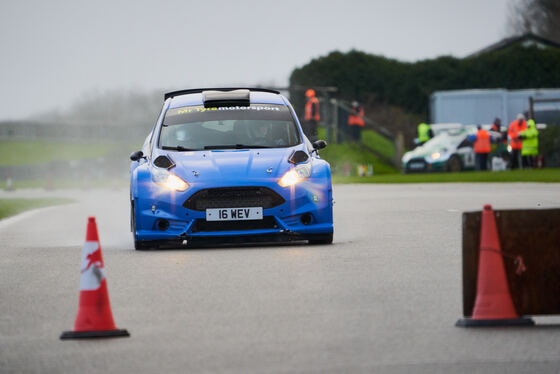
(469, 322)
(94, 334)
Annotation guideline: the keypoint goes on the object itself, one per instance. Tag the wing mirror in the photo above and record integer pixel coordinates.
(319, 144)
(135, 156)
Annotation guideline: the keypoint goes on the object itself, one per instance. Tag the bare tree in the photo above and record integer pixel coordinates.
(540, 17)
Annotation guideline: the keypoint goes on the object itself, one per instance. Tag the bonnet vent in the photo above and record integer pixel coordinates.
(298, 157)
(164, 162)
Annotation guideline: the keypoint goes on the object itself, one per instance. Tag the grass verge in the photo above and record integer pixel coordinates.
(348, 155)
(381, 144)
(67, 183)
(342, 156)
(14, 153)
(533, 175)
(10, 207)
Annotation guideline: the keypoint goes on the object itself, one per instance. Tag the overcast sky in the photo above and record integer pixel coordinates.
(54, 52)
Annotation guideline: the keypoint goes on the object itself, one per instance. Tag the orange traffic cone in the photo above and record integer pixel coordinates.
(94, 319)
(493, 304)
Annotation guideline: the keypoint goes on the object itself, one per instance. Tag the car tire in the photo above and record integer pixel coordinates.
(322, 239)
(132, 223)
(138, 244)
(454, 164)
(507, 159)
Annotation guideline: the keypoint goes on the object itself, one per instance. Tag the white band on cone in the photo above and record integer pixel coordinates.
(92, 268)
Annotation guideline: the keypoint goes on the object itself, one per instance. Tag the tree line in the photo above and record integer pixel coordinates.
(540, 17)
(378, 79)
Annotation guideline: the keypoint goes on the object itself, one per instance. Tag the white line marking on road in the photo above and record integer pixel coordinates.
(21, 216)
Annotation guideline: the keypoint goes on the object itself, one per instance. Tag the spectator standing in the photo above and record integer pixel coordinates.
(516, 143)
(356, 121)
(496, 125)
(496, 132)
(530, 148)
(312, 115)
(424, 133)
(481, 148)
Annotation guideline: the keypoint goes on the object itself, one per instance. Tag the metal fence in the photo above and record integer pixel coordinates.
(82, 133)
(334, 117)
(335, 113)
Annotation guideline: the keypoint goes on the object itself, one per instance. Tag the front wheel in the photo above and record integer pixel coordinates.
(141, 246)
(322, 239)
(453, 164)
(138, 244)
(507, 159)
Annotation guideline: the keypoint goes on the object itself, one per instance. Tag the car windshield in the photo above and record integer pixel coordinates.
(446, 140)
(254, 126)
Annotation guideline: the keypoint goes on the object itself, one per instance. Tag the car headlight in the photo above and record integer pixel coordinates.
(296, 175)
(166, 179)
(436, 156)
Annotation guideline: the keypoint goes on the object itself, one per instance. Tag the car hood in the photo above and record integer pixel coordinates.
(232, 164)
(415, 153)
(418, 152)
(442, 144)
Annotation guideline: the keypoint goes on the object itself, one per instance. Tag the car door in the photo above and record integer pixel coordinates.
(466, 152)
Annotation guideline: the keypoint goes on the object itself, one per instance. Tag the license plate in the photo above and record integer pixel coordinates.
(234, 214)
(416, 165)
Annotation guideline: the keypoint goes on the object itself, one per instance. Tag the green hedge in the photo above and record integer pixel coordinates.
(364, 76)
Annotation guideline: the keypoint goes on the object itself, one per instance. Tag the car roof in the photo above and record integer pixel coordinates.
(196, 98)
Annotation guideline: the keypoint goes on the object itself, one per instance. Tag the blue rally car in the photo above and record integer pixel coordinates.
(229, 165)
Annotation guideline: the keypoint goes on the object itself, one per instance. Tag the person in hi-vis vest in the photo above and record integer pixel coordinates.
(424, 133)
(312, 116)
(515, 142)
(356, 121)
(530, 148)
(481, 148)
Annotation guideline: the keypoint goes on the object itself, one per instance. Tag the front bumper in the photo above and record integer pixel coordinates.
(421, 165)
(197, 241)
(161, 215)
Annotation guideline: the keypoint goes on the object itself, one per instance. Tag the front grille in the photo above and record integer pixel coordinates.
(233, 197)
(416, 164)
(202, 225)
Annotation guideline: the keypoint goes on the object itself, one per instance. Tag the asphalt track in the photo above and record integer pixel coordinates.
(382, 299)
